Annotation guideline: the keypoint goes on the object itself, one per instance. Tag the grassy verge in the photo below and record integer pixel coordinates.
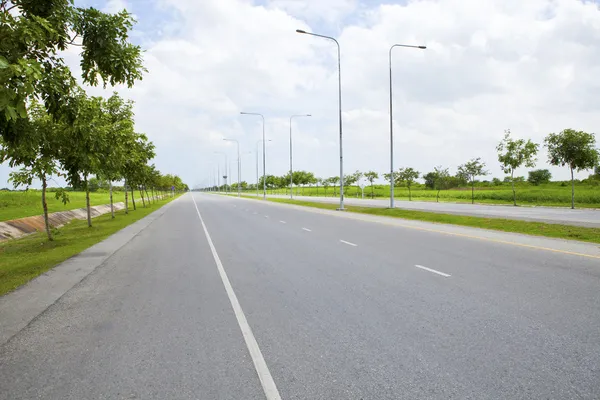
(506, 225)
(14, 205)
(23, 259)
(552, 194)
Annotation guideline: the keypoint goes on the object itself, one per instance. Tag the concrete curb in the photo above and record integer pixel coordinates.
(20, 307)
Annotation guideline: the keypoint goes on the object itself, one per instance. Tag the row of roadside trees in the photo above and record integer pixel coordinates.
(573, 149)
(49, 126)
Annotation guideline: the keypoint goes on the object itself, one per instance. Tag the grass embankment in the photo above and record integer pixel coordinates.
(551, 194)
(23, 259)
(506, 225)
(15, 205)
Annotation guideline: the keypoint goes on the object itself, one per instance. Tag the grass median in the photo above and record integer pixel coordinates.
(506, 225)
(23, 259)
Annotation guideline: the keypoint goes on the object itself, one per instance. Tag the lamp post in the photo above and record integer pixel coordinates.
(392, 122)
(238, 162)
(226, 165)
(291, 170)
(264, 158)
(340, 113)
(257, 143)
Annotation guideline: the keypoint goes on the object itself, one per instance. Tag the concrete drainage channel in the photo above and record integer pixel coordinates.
(17, 228)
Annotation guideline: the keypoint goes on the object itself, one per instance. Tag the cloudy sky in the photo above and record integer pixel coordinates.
(529, 66)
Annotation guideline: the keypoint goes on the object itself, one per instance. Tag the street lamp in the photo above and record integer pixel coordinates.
(226, 164)
(392, 122)
(264, 159)
(340, 113)
(257, 143)
(291, 171)
(238, 161)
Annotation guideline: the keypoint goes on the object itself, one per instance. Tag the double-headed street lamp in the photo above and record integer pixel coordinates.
(264, 159)
(291, 169)
(340, 113)
(238, 162)
(392, 123)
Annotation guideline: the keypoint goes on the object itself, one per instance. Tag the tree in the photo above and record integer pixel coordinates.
(34, 35)
(36, 152)
(326, 182)
(539, 176)
(439, 179)
(471, 170)
(352, 179)
(120, 133)
(371, 176)
(514, 153)
(87, 139)
(408, 176)
(575, 149)
(334, 180)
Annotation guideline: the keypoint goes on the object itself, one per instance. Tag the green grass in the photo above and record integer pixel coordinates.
(23, 259)
(552, 194)
(530, 228)
(15, 205)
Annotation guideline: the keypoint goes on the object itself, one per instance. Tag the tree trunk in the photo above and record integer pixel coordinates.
(572, 190)
(372, 191)
(45, 207)
(142, 196)
(153, 195)
(437, 197)
(409, 194)
(126, 198)
(147, 195)
(133, 199)
(112, 208)
(472, 192)
(512, 181)
(87, 203)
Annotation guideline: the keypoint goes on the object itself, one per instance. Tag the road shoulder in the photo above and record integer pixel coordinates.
(20, 307)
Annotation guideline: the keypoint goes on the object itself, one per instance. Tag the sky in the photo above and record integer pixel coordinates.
(490, 65)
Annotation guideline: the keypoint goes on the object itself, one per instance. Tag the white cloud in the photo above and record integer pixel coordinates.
(490, 65)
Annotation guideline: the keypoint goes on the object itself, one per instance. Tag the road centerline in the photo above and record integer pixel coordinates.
(434, 271)
(264, 375)
(348, 243)
(306, 229)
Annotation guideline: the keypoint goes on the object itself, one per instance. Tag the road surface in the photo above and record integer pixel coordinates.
(226, 298)
(553, 215)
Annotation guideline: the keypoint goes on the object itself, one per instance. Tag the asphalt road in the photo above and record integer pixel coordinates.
(553, 215)
(317, 306)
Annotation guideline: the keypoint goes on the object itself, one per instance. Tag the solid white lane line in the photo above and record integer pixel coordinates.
(283, 222)
(433, 270)
(348, 243)
(306, 229)
(266, 380)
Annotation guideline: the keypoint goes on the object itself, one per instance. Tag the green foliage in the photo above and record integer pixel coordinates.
(513, 153)
(575, 149)
(471, 170)
(539, 176)
(33, 33)
(371, 176)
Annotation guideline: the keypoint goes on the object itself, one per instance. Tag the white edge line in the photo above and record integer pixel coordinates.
(306, 229)
(348, 243)
(433, 270)
(266, 380)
